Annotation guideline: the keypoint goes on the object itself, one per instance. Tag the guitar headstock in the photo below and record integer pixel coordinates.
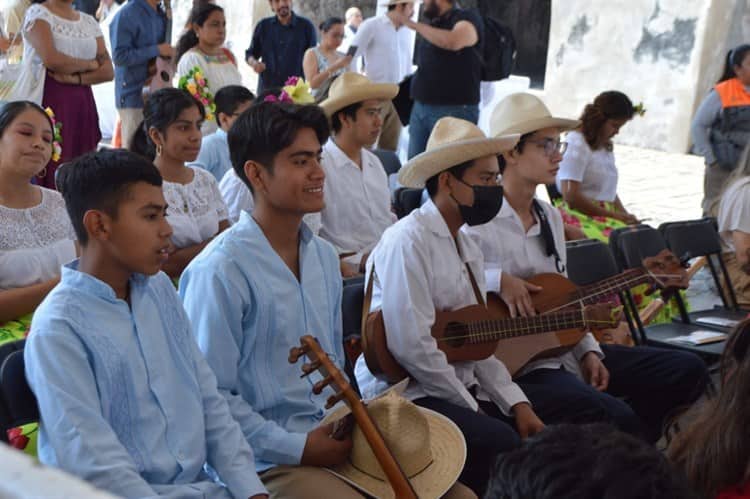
(602, 315)
(666, 270)
(319, 361)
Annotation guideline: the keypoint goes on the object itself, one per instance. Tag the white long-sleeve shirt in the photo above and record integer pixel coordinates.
(358, 202)
(509, 249)
(422, 269)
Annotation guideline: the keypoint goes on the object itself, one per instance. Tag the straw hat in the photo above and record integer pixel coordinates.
(525, 113)
(453, 141)
(429, 447)
(350, 88)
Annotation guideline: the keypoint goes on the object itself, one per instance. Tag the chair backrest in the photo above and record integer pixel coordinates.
(351, 309)
(630, 245)
(406, 200)
(553, 193)
(692, 238)
(589, 261)
(391, 163)
(5, 419)
(17, 395)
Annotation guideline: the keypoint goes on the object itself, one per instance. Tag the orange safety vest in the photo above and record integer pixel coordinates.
(732, 93)
(730, 133)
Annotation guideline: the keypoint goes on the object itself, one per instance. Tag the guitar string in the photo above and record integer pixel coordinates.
(493, 335)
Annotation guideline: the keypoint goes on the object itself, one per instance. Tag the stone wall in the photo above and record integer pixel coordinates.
(665, 53)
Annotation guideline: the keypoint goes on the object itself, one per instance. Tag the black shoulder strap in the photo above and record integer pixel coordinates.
(549, 238)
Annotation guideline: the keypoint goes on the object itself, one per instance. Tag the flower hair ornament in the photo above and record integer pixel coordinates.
(295, 91)
(197, 86)
(639, 109)
(56, 135)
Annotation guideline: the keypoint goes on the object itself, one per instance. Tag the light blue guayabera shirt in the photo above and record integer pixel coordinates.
(127, 401)
(214, 154)
(248, 309)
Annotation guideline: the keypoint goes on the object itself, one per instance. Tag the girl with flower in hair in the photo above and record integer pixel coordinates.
(201, 50)
(587, 178)
(36, 236)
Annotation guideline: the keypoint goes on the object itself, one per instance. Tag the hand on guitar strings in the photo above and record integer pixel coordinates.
(594, 372)
(321, 449)
(528, 423)
(516, 293)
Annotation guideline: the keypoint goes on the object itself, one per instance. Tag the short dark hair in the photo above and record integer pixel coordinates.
(10, 111)
(100, 181)
(162, 108)
(329, 23)
(518, 147)
(229, 98)
(265, 129)
(457, 171)
(350, 111)
(573, 461)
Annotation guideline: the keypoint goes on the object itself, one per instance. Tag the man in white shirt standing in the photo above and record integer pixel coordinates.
(424, 263)
(386, 48)
(353, 18)
(587, 384)
(358, 200)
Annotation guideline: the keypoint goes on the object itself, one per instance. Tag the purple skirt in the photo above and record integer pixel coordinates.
(75, 108)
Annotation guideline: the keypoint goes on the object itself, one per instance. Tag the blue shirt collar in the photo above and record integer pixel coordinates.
(221, 133)
(247, 222)
(145, 5)
(74, 278)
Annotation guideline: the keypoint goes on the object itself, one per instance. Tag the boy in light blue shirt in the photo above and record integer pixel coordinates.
(261, 285)
(127, 401)
(231, 101)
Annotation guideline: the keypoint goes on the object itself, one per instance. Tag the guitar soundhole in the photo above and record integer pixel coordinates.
(455, 334)
(164, 76)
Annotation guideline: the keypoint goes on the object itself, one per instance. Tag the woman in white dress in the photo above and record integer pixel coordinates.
(36, 236)
(171, 136)
(65, 51)
(202, 46)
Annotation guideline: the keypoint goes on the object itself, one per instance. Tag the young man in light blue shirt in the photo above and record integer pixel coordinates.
(231, 101)
(127, 401)
(261, 285)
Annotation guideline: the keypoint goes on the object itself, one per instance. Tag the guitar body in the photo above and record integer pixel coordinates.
(519, 351)
(163, 73)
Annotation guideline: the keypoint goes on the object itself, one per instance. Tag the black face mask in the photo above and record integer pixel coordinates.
(488, 199)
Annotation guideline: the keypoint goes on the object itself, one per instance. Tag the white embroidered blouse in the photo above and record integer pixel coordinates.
(35, 242)
(195, 209)
(595, 170)
(72, 38)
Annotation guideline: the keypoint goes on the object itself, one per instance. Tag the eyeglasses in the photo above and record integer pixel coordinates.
(551, 146)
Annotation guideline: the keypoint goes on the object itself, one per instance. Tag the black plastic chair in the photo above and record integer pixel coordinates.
(391, 163)
(553, 193)
(16, 393)
(406, 200)
(351, 318)
(697, 238)
(590, 261)
(5, 419)
(630, 246)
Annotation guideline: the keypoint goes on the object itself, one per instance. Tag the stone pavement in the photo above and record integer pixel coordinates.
(659, 186)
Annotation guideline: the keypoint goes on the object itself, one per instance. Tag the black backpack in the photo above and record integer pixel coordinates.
(498, 52)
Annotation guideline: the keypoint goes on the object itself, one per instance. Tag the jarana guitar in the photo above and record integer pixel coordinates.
(319, 361)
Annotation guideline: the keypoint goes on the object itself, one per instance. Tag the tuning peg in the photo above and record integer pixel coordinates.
(296, 352)
(318, 387)
(333, 400)
(310, 368)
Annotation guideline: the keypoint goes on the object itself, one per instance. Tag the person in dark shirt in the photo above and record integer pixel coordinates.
(449, 60)
(279, 44)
